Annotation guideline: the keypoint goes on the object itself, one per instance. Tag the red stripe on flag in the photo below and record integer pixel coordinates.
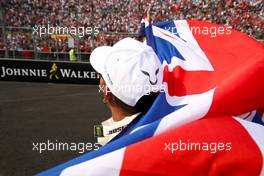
(182, 82)
(150, 158)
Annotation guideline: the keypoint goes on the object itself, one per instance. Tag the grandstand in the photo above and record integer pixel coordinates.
(114, 19)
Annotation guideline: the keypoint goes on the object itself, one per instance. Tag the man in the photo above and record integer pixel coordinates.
(131, 78)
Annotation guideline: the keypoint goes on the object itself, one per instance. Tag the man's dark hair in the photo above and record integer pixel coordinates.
(143, 104)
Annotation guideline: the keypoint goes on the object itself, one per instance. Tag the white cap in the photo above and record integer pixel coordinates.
(130, 69)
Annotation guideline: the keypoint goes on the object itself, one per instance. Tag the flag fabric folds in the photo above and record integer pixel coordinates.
(203, 123)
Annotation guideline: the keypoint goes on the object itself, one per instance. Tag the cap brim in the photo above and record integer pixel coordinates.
(98, 58)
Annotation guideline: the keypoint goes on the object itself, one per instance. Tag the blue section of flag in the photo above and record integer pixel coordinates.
(164, 49)
(257, 119)
(142, 29)
(150, 37)
(168, 26)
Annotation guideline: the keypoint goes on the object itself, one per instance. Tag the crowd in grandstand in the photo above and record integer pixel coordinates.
(119, 16)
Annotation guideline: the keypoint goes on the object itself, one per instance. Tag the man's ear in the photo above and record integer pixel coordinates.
(107, 95)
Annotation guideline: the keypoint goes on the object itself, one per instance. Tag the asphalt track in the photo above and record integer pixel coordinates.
(38, 112)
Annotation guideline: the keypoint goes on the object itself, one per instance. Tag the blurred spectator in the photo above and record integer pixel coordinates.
(72, 55)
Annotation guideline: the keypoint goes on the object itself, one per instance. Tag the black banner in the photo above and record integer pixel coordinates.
(47, 71)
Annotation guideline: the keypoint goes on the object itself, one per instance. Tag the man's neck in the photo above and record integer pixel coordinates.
(119, 114)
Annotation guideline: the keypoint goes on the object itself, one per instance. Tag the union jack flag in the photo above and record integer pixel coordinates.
(213, 81)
